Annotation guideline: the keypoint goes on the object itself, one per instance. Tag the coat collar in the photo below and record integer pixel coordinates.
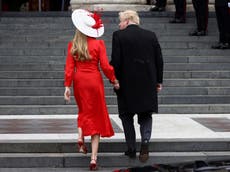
(132, 25)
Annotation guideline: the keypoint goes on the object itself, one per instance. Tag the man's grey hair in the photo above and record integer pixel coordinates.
(129, 15)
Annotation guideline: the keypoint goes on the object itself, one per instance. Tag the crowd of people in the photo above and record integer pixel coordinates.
(222, 10)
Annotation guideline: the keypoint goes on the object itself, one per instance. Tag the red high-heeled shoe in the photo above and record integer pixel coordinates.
(93, 165)
(81, 147)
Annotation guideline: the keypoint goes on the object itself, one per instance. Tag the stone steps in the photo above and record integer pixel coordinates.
(157, 145)
(68, 160)
(167, 74)
(58, 91)
(167, 52)
(168, 82)
(112, 109)
(34, 59)
(166, 37)
(112, 100)
(7, 60)
(59, 66)
(165, 44)
(32, 56)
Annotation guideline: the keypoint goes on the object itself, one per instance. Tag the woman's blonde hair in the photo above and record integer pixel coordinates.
(129, 15)
(80, 47)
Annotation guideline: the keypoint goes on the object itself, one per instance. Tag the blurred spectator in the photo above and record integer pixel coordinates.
(180, 13)
(159, 5)
(222, 8)
(201, 10)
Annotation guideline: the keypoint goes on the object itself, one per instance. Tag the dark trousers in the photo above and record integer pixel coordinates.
(161, 3)
(180, 6)
(145, 122)
(201, 10)
(223, 21)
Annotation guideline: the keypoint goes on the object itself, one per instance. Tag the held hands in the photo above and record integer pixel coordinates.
(116, 84)
(159, 87)
(67, 94)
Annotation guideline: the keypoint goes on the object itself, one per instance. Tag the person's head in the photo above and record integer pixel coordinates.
(87, 25)
(128, 17)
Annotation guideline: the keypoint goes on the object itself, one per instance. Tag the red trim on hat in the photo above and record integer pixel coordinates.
(98, 20)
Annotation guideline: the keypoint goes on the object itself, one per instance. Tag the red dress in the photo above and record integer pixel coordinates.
(88, 87)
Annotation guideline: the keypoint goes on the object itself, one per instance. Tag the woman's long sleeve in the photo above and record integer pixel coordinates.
(107, 69)
(69, 67)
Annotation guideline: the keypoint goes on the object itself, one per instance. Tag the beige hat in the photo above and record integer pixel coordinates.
(88, 23)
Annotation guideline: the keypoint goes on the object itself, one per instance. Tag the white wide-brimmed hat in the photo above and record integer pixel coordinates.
(88, 23)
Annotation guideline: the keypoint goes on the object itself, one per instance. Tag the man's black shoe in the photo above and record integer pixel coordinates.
(144, 152)
(176, 20)
(221, 45)
(156, 8)
(131, 153)
(197, 33)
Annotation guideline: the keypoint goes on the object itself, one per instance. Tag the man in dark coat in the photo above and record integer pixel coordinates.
(138, 64)
(222, 8)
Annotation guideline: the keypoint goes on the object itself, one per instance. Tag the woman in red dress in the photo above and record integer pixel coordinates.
(85, 55)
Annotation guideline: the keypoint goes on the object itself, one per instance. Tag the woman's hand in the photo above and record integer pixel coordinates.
(67, 94)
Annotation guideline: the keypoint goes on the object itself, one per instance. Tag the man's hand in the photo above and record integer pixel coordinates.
(159, 87)
(116, 85)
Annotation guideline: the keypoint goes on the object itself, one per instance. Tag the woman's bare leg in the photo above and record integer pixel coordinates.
(95, 144)
(80, 137)
(81, 143)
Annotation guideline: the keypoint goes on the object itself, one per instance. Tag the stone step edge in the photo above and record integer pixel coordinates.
(104, 160)
(103, 142)
(115, 146)
(113, 95)
(161, 105)
(136, 7)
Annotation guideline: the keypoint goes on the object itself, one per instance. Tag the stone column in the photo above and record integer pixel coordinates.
(110, 5)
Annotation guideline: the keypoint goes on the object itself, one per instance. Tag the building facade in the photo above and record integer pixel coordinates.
(92, 5)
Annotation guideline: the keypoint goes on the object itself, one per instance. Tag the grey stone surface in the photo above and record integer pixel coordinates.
(115, 146)
(167, 74)
(33, 57)
(112, 100)
(71, 160)
(72, 109)
(58, 91)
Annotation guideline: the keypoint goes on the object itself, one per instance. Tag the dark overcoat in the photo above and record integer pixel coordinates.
(223, 3)
(138, 64)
